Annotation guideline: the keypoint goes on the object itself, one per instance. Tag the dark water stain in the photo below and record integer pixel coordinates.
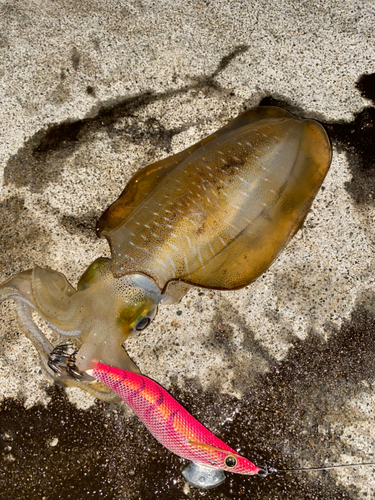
(366, 85)
(79, 225)
(222, 341)
(90, 90)
(14, 207)
(152, 130)
(41, 159)
(86, 461)
(75, 58)
(209, 81)
(18, 234)
(96, 43)
(3, 41)
(293, 413)
(356, 138)
(226, 60)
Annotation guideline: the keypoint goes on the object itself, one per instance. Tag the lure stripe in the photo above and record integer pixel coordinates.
(169, 422)
(173, 415)
(160, 399)
(124, 377)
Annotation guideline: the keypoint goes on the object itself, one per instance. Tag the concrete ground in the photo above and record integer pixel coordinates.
(282, 370)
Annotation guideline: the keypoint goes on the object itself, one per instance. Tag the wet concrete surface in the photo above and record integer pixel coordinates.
(283, 370)
(62, 452)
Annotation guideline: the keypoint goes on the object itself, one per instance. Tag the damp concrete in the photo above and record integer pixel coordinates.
(283, 370)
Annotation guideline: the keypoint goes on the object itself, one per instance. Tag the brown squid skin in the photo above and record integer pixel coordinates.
(215, 215)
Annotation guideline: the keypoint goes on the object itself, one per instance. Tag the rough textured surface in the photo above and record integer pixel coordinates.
(283, 370)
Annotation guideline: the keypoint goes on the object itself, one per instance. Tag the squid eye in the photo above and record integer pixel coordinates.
(142, 324)
(230, 461)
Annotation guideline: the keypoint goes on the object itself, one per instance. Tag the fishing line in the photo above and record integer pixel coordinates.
(267, 471)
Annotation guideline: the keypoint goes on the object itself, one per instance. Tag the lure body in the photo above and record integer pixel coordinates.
(170, 423)
(215, 215)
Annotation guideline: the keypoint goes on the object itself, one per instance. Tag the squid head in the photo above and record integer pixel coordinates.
(100, 314)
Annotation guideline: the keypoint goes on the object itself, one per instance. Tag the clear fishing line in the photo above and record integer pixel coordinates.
(267, 471)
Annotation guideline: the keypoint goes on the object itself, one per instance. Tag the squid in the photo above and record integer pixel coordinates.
(215, 215)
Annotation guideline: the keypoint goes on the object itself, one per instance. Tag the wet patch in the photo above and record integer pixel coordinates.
(41, 159)
(75, 58)
(136, 131)
(357, 140)
(90, 91)
(79, 225)
(366, 85)
(60, 452)
(292, 415)
(3, 41)
(222, 341)
(19, 235)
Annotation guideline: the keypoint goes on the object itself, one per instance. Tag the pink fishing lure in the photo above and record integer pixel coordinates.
(170, 423)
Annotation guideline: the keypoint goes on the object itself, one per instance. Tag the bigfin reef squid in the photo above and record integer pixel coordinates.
(215, 215)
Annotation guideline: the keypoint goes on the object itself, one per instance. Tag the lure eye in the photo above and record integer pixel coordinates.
(142, 324)
(230, 461)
